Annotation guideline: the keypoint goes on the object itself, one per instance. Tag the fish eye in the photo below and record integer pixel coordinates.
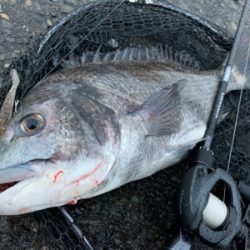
(32, 124)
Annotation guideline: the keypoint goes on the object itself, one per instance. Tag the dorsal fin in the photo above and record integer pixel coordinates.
(157, 52)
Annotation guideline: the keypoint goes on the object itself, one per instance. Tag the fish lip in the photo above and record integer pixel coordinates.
(26, 163)
(18, 173)
(9, 198)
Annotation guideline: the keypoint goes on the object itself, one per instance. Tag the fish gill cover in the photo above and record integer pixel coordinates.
(121, 219)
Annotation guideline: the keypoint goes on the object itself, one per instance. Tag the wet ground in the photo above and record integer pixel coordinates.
(137, 216)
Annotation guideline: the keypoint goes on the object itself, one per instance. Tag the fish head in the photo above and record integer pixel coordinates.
(50, 155)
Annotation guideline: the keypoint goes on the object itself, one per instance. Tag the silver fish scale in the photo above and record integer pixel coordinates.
(126, 85)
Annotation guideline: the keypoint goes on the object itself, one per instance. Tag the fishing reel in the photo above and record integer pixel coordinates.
(201, 212)
(218, 221)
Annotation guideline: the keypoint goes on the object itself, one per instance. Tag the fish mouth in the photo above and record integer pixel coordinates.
(11, 176)
(6, 186)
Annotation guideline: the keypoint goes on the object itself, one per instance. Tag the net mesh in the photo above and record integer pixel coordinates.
(139, 215)
(117, 25)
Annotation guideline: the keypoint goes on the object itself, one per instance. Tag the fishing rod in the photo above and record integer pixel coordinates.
(200, 211)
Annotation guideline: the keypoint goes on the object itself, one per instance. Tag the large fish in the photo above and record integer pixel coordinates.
(124, 105)
(86, 130)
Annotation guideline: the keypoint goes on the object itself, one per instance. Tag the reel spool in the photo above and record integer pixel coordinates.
(202, 212)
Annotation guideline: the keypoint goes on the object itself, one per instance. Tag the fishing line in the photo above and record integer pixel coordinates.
(213, 120)
(199, 209)
(238, 108)
(237, 116)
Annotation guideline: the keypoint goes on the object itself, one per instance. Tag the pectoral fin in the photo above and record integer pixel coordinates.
(161, 113)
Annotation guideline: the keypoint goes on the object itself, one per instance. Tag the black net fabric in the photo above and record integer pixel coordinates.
(240, 157)
(139, 215)
(116, 25)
